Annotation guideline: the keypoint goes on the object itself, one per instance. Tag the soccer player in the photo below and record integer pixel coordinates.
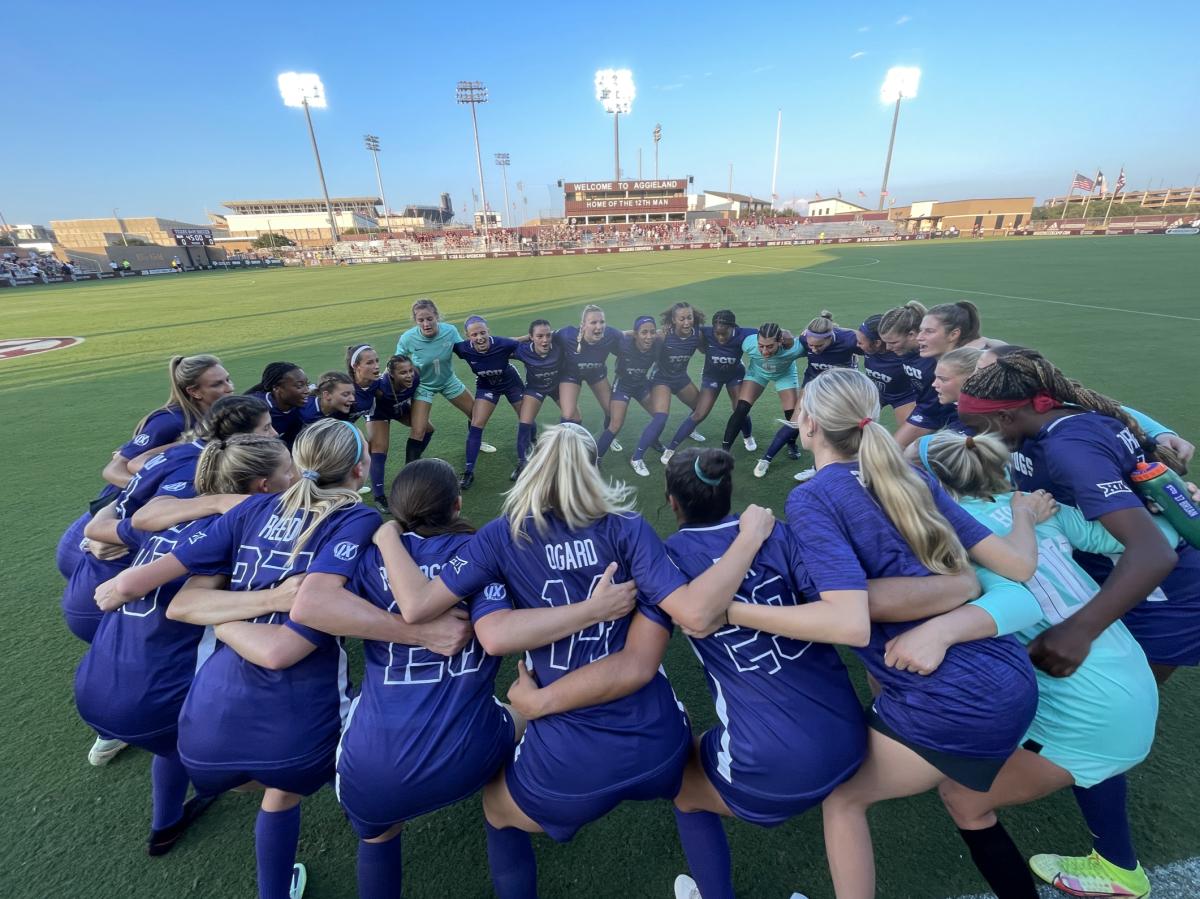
(627, 737)
(397, 389)
(723, 368)
(495, 378)
(826, 346)
(636, 357)
(772, 353)
(680, 339)
(428, 691)
(949, 326)
(952, 370)
(430, 346)
(265, 711)
(867, 514)
(362, 365)
(588, 348)
(284, 387)
(886, 369)
(899, 329)
(131, 683)
(335, 397)
(1090, 726)
(546, 367)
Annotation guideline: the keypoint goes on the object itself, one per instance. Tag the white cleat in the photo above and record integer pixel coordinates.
(666, 456)
(299, 881)
(750, 443)
(103, 751)
(761, 469)
(805, 475)
(698, 437)
(685, 888)
(486, 448)
(797, 896)
(364, 489)
(616, 447)
(639, 466)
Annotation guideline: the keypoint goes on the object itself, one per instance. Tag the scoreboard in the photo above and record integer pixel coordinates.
(621, 202)
(192, 237)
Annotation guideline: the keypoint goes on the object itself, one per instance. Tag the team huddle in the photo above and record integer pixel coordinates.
(1015, 568)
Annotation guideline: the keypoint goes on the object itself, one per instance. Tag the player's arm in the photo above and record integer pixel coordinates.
(893, 599)
(838, 616)
(611, 678)
(103, 526)
(419, 598)
(117, 472)
(164, 512)
(135, 464)
(272, 646)
(206, 599)
(136, 581)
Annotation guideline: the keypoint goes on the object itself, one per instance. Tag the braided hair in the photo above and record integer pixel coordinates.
(1020, 374)
(273, 375)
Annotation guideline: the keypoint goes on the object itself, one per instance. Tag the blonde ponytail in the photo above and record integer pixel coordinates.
(844, 403)
(561, 477)
(324, 453)
(232, 464)
(184, 372)
(975, 466)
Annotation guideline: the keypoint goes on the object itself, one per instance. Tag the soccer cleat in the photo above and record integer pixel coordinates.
(761, 469)
(698, 437)
(803, 476)
(516, 472)
(299, 881)
(364, 489)
(1090, 875)
(615, 447)
(486, 448)
(685, 888)
(382, 502)
(750, 444)
(467, 479)
(103, 750)
(657, 446)
(666, 456)
(640, 467)
(793, 452)
(162, 841)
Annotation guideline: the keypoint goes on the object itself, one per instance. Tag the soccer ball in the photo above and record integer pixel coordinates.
(729, 262)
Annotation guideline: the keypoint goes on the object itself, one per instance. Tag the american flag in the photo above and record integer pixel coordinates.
(1083, 182)
(818, 195)
(1120, 185)
(861, 194)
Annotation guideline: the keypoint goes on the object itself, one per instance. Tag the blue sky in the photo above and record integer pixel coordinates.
(168, 109)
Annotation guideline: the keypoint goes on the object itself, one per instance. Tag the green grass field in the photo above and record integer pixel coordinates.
(1120, 314)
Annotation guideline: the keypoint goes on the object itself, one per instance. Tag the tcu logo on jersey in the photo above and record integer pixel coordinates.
(345, 551)
(915, 373)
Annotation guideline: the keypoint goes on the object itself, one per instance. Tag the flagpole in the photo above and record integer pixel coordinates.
(1087, 202)
(1166, 199)
(1191, 193)
(1113, 196)
(1067, 202)
(1145, 192)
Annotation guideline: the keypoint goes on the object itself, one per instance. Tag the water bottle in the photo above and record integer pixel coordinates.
(1154, 481)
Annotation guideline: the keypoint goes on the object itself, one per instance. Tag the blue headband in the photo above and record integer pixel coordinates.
(813, 335)
(872, 332)
(711, 482)
(358, 439)
(471, 319)
(923, 452)
(642, 319)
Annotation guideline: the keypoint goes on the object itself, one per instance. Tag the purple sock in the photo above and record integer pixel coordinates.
(650, 434)
(378, 473)
(682, 432)
(1104, 811)
(603, 442)
(707, 851)
(514, 868)
(169, 786)
(525, 435)
(276, 835)
(474, 439)
(782, 437)
(380, 869)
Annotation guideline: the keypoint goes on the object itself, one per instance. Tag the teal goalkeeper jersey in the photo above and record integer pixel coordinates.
(432, 356)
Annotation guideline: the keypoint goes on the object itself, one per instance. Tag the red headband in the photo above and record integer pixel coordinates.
(973, 405)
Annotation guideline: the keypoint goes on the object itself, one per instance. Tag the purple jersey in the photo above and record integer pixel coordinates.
(839, 354)
(543, 374)
(634, 365)
(364, 399)
(895, 384)
(491, 368)
(790, 722)
(170, 473)
(588, 361)
(590, 749)
(286, 424)
(239, 715)
(132, 682)
(723, 360)
(981, 698)
(311, 412)
(426, 725)
(161, 427)
(929, 413)
(394, 402)
(674, 354)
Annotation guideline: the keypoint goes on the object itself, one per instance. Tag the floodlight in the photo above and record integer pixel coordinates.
(298, 87)
(615, 90)
(900, 83)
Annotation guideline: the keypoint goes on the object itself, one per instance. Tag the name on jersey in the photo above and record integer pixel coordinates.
(281, 529)
(571, 554)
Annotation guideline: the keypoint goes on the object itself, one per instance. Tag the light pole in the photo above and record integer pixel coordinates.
(502, 160)
(657, 138)
(615, 91)
(305, 89)
(472, 93)
(900, 83)
(372, 143)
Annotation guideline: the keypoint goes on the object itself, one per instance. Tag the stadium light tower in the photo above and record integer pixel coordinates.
(305, 89)
(657, 138)
(615, 91)
(372, 144)
(472, 93)
(502, 160)
(900, 83)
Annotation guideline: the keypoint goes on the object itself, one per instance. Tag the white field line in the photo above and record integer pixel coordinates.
(1177, 880)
